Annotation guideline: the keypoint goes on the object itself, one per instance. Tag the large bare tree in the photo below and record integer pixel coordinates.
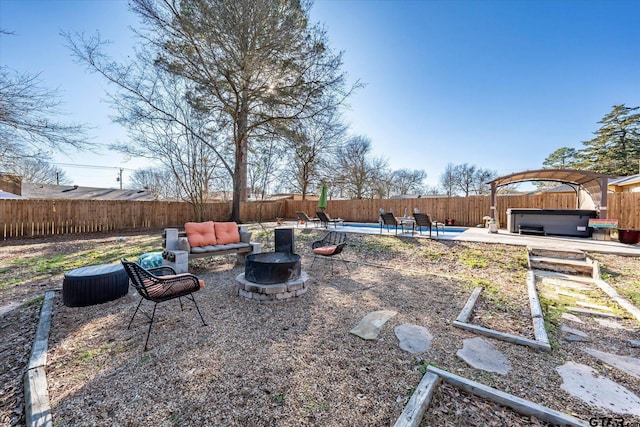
(254, 62)
(29, 112)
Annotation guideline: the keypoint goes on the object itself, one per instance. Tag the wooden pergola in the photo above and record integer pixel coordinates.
(593, 183)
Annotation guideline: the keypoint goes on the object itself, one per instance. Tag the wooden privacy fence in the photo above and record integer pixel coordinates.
(467, 211)
(40, 217)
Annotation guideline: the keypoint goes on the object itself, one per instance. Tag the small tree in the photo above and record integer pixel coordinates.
(358, 172)
(36, 171)
(447, 180)
(564, 157)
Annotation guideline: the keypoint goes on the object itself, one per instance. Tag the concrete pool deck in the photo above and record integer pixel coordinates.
(482, 235)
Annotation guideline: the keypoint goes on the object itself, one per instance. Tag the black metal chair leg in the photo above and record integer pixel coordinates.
(134, 313)
(197, 308)
(345, 263)
(150, 325)
(314, 260)
(180, 299)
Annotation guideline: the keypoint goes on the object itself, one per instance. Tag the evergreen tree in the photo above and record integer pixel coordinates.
(615, 149)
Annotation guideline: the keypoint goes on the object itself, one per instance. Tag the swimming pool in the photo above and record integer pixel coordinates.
(368, 227)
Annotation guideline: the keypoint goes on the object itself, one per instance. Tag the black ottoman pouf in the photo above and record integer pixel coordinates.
(94, 285)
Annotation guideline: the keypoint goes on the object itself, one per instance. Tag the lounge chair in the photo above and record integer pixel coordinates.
(330, 245)
(161, 284)
(388, 219)
(303, 218)
(424, 220)
(325, 220)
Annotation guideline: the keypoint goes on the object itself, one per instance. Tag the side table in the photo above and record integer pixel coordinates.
(95, 284)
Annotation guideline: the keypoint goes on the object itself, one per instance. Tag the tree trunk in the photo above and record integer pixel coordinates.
(240, 167)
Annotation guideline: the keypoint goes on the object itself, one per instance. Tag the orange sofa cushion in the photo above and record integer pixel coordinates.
(201, 234)
(171, 276)
(325, 250)
(227, 232)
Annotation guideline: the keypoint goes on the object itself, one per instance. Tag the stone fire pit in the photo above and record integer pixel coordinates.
(272, 276)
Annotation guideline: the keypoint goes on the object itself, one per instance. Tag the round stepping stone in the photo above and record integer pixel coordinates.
(481, 354)
(413, 338)
(586, 384)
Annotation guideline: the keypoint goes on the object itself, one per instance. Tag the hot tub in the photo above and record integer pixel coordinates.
(559, 222)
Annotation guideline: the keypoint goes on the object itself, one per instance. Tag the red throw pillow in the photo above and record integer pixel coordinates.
(325, 250)
(227, 232)
(200, 234)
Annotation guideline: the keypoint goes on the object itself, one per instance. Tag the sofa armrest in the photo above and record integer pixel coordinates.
(245, 235)
(183, 244)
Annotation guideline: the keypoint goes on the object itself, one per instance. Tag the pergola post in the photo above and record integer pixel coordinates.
(492, 207)
(604, 184)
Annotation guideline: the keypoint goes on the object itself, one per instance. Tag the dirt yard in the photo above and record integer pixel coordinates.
(293, 363)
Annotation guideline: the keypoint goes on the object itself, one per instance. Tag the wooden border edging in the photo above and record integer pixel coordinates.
(613, 294)
(419, 402)
(537, 317)
(36, 395)
(518, 404)
(502, 336)
(468, 307)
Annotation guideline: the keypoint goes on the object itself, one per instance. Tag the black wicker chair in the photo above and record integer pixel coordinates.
(161, 284)
(329, 246)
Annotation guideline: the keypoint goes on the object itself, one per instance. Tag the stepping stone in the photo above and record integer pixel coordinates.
(413, 338)
(571, 317)
(370, 325)
(584, 383)
(610, 324)
(594, 306)
(481, 354)
(592, 312)
(571, 294)
(574, 335)
(8, 308)
(628, 364)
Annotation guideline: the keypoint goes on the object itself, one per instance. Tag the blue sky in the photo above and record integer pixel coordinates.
(497, 84)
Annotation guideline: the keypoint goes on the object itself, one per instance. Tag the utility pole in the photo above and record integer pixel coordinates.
(119, 178)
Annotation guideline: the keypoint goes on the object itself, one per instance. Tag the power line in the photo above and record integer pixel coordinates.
(74, 165)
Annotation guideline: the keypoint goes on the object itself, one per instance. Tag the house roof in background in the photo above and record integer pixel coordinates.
(7, 195)
(46, 191)
(626, 180)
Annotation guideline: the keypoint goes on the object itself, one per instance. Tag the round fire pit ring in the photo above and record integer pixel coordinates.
(272, 267)
(272, 277)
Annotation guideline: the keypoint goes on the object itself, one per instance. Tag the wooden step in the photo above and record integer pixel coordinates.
(559, 265)
(557, 253)
(552, 277)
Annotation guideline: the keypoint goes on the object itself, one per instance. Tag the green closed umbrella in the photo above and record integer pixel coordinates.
(322, 202)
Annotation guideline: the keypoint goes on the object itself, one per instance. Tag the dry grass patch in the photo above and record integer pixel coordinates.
(295, 363)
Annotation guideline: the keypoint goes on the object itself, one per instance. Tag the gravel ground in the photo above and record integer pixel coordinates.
(295, 363)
